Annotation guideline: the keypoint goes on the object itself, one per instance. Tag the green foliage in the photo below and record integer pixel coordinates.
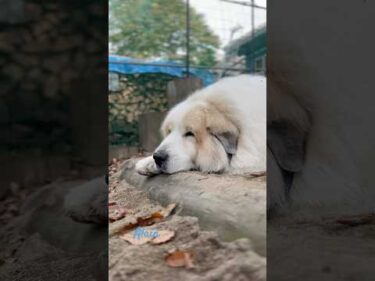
(157, 29)
(123, 133)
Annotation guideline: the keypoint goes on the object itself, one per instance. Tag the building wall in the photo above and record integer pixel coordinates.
(255, 52)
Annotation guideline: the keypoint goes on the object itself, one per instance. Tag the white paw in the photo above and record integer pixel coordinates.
(147, 167)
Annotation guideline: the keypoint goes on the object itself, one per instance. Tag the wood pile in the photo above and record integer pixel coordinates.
(140, 93)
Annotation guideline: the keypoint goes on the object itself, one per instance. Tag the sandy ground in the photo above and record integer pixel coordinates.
(321, 249)
(212, 258)
(39, 242)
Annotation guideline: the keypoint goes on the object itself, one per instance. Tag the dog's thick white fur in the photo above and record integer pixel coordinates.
(221, 128)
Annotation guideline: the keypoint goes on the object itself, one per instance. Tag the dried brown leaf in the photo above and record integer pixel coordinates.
(132, 239)
(151, 219)
(164, 236)
(168, 210)
(179, 258)
(133, 221)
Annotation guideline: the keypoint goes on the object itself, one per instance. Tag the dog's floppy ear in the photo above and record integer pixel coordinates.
(223, 129)
(228, 140)
(288, 123)
(287, 144)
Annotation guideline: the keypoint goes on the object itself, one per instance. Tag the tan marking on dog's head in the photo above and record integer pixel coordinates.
(214, 133)
(195, 121)
(199, 135)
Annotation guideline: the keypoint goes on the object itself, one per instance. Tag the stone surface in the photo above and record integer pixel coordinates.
(212, 258)
(233, 206)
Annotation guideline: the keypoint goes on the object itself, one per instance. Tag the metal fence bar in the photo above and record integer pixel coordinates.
(187, 38)
(187, 64)
(245, 4)
(252, 32)
(253, 6)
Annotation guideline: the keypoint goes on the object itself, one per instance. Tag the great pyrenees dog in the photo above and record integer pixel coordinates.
(221, 128)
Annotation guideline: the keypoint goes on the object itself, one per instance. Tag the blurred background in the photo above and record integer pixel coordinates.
(51, 63)
(53, 135)
(162, 50)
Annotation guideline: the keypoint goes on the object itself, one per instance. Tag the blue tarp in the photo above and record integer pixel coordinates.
(126, 65)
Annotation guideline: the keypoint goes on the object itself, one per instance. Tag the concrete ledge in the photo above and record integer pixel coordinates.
(233, 206)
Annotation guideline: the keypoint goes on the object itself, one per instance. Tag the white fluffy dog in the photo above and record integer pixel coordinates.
(221, 128)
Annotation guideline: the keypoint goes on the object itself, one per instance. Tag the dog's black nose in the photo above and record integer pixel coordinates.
(160, 158)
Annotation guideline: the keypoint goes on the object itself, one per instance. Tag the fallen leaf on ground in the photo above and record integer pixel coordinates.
(130, 222)
(122, 226)
(149, 220)
(168, 210)
(135, 240)
(164, 236)
(179, 258)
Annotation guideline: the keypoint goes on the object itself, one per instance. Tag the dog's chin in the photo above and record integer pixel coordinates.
(163, 170)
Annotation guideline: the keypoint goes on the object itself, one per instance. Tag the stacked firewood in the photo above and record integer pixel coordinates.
(139, 93)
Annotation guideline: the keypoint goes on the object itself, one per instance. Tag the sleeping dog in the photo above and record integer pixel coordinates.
(221, 128)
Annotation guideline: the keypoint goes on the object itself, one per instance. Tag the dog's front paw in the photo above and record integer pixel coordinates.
(147, 167)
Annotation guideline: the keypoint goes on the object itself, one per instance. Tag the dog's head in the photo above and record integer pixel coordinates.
(197, 136)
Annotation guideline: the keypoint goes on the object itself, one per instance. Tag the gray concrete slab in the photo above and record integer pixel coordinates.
(233, 206)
